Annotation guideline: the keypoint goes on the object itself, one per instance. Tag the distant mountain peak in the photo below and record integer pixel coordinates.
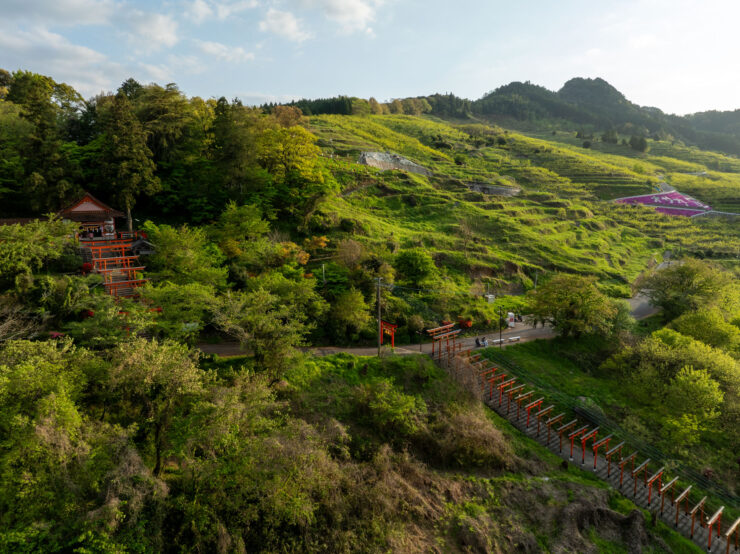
(595, 92)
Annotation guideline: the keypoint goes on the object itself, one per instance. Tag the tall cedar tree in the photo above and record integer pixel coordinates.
(126, 160)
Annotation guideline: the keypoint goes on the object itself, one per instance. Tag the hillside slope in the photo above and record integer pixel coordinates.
(561, 221)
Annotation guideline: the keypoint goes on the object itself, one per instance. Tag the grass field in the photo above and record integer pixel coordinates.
(561, 221)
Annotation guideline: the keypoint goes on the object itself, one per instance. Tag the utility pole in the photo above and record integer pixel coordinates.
(323, 274)
(377, 299)
(500, 328)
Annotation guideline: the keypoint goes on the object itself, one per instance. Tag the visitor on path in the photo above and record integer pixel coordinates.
(485, 342)
(477, 342)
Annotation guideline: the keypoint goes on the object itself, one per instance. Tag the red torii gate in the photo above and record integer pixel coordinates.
(598, 444)
(623, 462)
(734, 529)
(501, 388)
(698, 508)
(669, 486)
(564, 429)
(542, 413)
(390, 329)
(642, 468)
(439, 333)
(590, 435)
(521, 398)
(683, 497)
(495, 379)
(510, 393)
(534, 404)
(552, 421)
(616, 450)
(483, 376)
(574, 435)
(657, 476)
(716, 518)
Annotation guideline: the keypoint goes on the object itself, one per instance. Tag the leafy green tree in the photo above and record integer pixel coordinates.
(48, 170)
(15, 131)
(266, 325)
(125, 163)
(610, 136)
(185, 255)
(350, 312)
(639, 143)
(68, 481)
(694, 399)
(415, 266)
(684, 286)
(184, 310)
(103, 321)
(154, 379)
(573, 306)
(375, 107)
(290, 155)
(709, 326)
(24, 249)
(238, 229)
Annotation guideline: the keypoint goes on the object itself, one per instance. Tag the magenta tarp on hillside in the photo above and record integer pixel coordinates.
(669, 203)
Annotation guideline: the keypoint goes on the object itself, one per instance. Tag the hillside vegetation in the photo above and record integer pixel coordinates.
(118, 434)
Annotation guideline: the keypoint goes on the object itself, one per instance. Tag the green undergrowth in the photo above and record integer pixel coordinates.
(462, 466)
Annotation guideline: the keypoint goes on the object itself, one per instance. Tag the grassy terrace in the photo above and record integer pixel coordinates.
(560, 222)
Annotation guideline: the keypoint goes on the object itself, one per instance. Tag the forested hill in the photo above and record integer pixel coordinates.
(595, 104)
(592, 105)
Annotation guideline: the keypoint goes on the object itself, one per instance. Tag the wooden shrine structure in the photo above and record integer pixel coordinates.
(97, 220)
(105, 251)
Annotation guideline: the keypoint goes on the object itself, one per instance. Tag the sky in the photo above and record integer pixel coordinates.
(680, 56)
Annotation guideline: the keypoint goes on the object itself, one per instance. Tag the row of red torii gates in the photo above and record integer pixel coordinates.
(505, 393)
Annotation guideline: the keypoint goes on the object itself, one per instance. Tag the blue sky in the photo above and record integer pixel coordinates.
(680, 56)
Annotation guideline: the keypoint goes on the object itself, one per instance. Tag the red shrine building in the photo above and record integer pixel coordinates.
(97, 220)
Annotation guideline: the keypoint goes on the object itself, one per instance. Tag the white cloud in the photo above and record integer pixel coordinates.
(60, 12)
(351, 15)
(235, 54)
(200, 10)
(42, 51)
(159, 73)
(147, 29)
(155, 29)
(285, 25)
(226, 9)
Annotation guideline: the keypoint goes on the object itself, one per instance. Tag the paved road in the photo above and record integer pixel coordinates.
(524, 332)
(640, 306)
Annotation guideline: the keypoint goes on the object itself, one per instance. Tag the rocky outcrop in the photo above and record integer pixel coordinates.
(386, 160)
